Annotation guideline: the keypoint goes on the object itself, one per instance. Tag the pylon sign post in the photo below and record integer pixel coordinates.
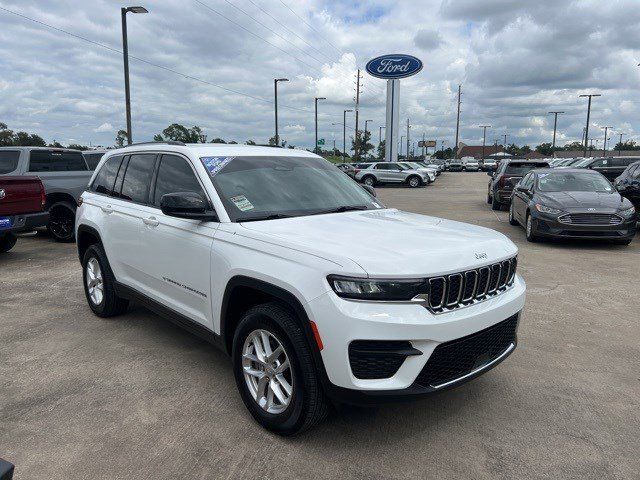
(392, 68)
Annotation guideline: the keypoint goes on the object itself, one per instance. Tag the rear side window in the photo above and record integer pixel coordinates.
(9, 161)
(175, 175)
(137, 178)
(93, 159)
(106, 176)
(622, 162)
(56, 161)
(522, 168)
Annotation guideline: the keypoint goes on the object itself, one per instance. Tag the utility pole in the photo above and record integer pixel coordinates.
(604, 147)
(275, 100)
(424, 149)
(315, 149)
(344, 134)
(555, 126)
(620, 151)
(505, 140)
(408, 127)
(356, 142)
(457, 122)
(484, 137)
(401, 142)
(364, 135)
(586, 132)
(125, 55)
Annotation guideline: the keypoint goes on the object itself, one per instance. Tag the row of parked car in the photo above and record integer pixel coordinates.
(589, 198)
(413, 174)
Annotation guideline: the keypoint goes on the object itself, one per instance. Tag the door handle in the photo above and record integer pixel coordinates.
(107, 209)
(151, 221)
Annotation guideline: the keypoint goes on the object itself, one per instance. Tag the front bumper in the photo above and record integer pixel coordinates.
(341, 322)
(548, 226)
(26, 222)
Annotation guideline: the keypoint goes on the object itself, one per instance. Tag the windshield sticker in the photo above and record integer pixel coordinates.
(215, 164)
(242, 203)
(542, 175)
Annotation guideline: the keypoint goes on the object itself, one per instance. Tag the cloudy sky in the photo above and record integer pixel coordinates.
(212, 63)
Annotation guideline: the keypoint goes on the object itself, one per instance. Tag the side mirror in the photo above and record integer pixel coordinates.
(370, 189)
(188, 205)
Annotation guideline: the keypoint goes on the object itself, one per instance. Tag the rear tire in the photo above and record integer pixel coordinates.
(99, 284)
(369, 180)
(495, 204)
(7, 242)
(62, 222)
(512, 218)
(306, 404)
(488, 199)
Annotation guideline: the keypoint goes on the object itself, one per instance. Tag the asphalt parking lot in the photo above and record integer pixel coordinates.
(136, 397)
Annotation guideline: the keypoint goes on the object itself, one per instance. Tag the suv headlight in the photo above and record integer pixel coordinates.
(549, 210)
(371, 289)
(628, 213)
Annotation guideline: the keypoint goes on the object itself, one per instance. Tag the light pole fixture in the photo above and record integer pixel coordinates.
(344, 134)
(275, 98)
(586, 131)
(555, 125)
(315, 149)
(125, 54)
(604, 147)
(484, 137)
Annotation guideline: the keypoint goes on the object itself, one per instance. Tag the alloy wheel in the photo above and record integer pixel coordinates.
(414, 182)
(267, 371)
(368, 181)
(95, 284)
(529, 226)
(61, 222)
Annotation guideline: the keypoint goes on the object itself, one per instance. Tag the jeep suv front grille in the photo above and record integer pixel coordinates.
(464, 288)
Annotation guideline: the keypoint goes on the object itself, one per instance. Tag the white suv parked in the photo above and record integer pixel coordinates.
(245, 246)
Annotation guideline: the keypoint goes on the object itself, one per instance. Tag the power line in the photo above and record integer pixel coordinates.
(272, 31)
(162, 67)
(310, 26)
(254, 34)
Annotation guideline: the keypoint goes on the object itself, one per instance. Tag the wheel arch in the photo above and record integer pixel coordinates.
(56, 197)
(86, 237)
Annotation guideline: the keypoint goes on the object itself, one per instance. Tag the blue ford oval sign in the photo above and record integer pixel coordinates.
(392, 67)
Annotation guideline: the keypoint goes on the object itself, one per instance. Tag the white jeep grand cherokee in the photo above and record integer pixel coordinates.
(316, 290)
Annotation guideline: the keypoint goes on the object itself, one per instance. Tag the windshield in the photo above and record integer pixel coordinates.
(581, 163)
(262, 188)
(522, 168)
(573, 182)
(8, 161)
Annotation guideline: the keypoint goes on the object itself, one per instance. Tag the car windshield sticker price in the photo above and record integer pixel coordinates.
(215, 164)
(242, 203)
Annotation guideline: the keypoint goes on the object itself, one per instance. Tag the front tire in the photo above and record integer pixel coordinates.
(414, 181)
(7, 242)
(62, 222)
(369, 180)
(495, 204)
(531, 233)
(285, 399)
(99, 284)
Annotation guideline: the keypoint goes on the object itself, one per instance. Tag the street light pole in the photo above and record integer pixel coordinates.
(125, 54)
(586, 131)
(401, 142)
(275, 102)
(408, 127)
(604, 147)
(484, 137)
(555, 125)
(620, 151)
(315, 149)
(344, 134)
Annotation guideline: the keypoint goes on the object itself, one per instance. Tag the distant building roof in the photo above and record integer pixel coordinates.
(475, 151)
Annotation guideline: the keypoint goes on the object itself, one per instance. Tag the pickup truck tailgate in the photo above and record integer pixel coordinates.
(19, 195)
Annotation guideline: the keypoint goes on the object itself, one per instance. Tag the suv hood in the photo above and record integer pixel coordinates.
(389, 243)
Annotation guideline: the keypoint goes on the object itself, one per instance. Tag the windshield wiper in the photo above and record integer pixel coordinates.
(271, 216)
(342, 208)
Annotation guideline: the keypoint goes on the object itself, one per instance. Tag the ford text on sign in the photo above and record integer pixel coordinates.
(392, 67)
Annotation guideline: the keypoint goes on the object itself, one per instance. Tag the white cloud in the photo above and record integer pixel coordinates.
(105, 127)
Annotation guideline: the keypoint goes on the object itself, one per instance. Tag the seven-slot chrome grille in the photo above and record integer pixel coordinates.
(456, 290)
(590, 219)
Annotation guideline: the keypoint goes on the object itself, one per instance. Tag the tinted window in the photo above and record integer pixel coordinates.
(106, 177)
(93, 159)
(636, 172)
(384, 166)
(522, 168)
(622, 162)
(602, 162)
(135, 186)
(56, 161)
(175, 175)
(8, 161)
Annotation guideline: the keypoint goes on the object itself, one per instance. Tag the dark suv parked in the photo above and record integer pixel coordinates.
(509, 172)
(628, 184)
(610, 167)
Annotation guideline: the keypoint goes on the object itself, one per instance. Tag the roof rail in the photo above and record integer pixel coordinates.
(165, 142)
